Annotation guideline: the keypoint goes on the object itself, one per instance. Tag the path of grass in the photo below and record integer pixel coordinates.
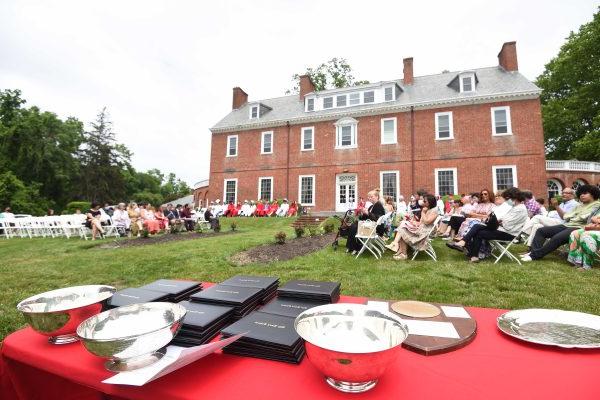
(32, 266)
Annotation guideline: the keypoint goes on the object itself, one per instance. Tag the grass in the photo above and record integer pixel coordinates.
(30, 266)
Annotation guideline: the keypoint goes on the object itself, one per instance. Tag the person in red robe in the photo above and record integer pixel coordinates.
(229, 212)
(273, 209)
(260, 209)
(238, 208)
(267, 209)
(293, 210)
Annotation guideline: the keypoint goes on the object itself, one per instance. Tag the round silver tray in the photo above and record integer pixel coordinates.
(568, 329)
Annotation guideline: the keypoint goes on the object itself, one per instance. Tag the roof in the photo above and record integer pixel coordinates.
(494, 83)
(201, 184)
(189, 199)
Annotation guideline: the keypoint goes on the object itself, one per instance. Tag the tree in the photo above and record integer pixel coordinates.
(335, 73)
(22, 198)
(570, 97)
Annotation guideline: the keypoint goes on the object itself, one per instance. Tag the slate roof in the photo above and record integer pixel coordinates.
(427, 91)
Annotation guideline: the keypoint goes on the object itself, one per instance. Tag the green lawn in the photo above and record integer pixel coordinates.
(33, 266)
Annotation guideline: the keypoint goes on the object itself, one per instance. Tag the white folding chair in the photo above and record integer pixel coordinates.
(502, 247)
(204, 224)
(110, 229)
(429, 250)
(371, 241)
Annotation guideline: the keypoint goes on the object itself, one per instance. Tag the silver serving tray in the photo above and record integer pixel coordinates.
(568, 329)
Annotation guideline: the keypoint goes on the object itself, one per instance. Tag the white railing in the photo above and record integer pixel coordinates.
(573, 165)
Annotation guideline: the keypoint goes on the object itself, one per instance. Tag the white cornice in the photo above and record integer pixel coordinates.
(385, 109)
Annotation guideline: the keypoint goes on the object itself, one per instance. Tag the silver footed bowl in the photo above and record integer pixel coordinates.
(351, 344)
(57, 313)
(132, 336)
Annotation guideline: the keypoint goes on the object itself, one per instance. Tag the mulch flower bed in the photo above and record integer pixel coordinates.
(280, 252)
(161, 238)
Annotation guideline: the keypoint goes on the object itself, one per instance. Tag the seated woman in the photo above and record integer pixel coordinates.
(444, 228)
(93, 221)
(510, 226)
(457, 220)
(389, 205)
(149, 220)
(480, 212)
(414, 233)
(133, 212)
(584, 244)
(260, 209)
(121, 219)
(293, 210)
(163, 221)
(273, 209)
(373, 213)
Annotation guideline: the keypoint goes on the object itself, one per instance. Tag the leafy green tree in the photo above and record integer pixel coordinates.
(22, 198)
(335, 73)
(174, 188)
(570, 97)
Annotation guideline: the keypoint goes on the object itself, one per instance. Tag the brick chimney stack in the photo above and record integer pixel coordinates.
(306, 86)
(507, 58)
(408, 71)
(239, 98)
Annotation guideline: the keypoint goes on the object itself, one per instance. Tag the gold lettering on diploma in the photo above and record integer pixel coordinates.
(128, 295)
(269, 325)
(249, 280)
(308, 284)
(294, 306)
(226, 291)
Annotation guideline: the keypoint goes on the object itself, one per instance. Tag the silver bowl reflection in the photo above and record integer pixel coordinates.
(57, 313)
(351, 344)
(132, 336)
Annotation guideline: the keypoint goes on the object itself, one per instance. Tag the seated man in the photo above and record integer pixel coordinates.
(209, 216)
(559, 234)
(186, 215)
(283, 209)
(172, 214)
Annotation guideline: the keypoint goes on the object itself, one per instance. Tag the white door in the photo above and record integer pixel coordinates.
(345, 197)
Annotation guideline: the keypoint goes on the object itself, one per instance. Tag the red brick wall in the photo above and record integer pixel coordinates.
(473, 151)
(567, 178)
(200, 196)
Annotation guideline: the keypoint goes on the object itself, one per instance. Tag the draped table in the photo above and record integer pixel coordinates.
(493, 366)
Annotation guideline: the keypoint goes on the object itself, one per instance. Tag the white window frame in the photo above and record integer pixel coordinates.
(350, 95)
(312, 139)
(262, 142)
(353, 133)
(395, 130)
(237, 142)
(454, 175)
(397, 172)
(314, 104)
(345, 96)
(363, 96)
(314, 191)
(508, 122)
(260, 179)
(472, 77)
(494, 179)
(225, 190)
(437, 127)
(252, 107)
(332, 97)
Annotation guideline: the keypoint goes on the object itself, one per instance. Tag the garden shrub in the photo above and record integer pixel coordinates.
(280, 237)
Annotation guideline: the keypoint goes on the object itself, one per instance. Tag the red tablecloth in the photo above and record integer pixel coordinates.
(493, 366)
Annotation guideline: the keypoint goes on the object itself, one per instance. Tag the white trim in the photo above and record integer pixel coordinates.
(332, 97)
(393, 87)
(252, 107)
(314, 185)
(470, 75)
(454, 176)
(345, 96)
(337, 192)
(260, 178)
(225, 190)
(508, 122)
(395, 130)
(237, 142)
(339, 124)
(514, 173)
(450, 125)
(306, 103)
(312, 139)
(397, 172)
(558, 185)
(262, 142)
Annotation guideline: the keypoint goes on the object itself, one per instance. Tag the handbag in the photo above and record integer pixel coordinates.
(492, 222)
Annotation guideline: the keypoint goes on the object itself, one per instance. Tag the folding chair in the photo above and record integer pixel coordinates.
(503, 248)
(371, 241)
(204, 224)
(429, 250)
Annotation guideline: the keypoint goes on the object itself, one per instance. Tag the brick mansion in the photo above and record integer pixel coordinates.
(449, 133)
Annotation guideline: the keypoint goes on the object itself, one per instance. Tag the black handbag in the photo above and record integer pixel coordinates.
(492, 222)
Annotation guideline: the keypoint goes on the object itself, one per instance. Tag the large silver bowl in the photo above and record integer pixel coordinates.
(132, 336)
(351, 344)
(58, 313)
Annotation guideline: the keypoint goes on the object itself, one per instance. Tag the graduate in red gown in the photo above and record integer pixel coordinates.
(293, 210)
(260, 209)
(238, 208)
(273, 209)
(267, 208)
(229, 212)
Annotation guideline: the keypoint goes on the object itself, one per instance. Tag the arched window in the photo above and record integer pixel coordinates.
(554, 188)
(578, 183)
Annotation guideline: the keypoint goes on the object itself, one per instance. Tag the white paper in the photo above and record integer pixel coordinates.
(379, 305)
(175, 358)
(455, 312)
(431, 328)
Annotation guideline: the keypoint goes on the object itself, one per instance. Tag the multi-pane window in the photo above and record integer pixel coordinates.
(354, 98)
(504, 177)
(232, 142)
(501, 121)
(308, 138)
(265, 189)
(389, 93)
(310, 105)
(254, 112)
(267, 143)
(346, 133)
(230, 190)
(389, 184)
(445, 181)
(554, 188)
(443, 126)
(467, 84)
(341, 101)
(388, 130)
(328, 102)
(307, 190)
(369, 97)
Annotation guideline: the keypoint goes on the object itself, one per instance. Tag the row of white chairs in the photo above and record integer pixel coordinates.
(51, 226)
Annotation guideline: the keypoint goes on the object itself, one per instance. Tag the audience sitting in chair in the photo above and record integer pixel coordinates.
(162, 219)
(211, 219)
(549, 238)
(415, 232)
(121, 219)
(133, 211)
(93, 221)
(186, 215)
(373, 212)
(389, 205)
(149, 219)
(444, 227)
(468, 205)
(533, 207)
(584, 244)
(482, 208)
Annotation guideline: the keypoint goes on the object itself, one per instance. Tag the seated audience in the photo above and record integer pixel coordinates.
(149, 219)
(542, 203)
(402, 208)
(230, 211)
(121, 218)
(456, 220)
(7, 213)
(415, 232)
(133, 211)
(584, 244)
(283, 209)
(440, 204)
(389, 205)
(93, 221)
(293, 211)
(219, 209)
(174, 217)
(260, 209)
(210, 217)
(482, 208)
(533, 207)
(360, 206)
(414, 207)
(502, 207)
(273, 209)
(444, 227)
(559, 234)
(108, 209)
(372, 213)
(162, 219)
(186, 215)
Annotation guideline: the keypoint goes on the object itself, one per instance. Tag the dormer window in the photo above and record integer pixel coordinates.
(389, 93)
(328, 102)
(369, 97)
(254, 111)
(341, 101)
(354, 99)
(310, 104)
(467, 82)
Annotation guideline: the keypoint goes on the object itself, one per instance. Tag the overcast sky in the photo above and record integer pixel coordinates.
(165, 69)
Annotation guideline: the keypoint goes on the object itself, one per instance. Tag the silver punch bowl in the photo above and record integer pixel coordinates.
(351, 344)
(132, 336)
(58, 313)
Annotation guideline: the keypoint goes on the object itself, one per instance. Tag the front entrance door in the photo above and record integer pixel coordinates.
(345, 197)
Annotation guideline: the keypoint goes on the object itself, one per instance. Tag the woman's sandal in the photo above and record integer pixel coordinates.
(400, 256)
(392, 246)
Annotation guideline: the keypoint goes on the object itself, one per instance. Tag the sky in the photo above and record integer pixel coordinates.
(165, 69)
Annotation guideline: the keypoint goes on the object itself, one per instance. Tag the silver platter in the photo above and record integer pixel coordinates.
(568, 329)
